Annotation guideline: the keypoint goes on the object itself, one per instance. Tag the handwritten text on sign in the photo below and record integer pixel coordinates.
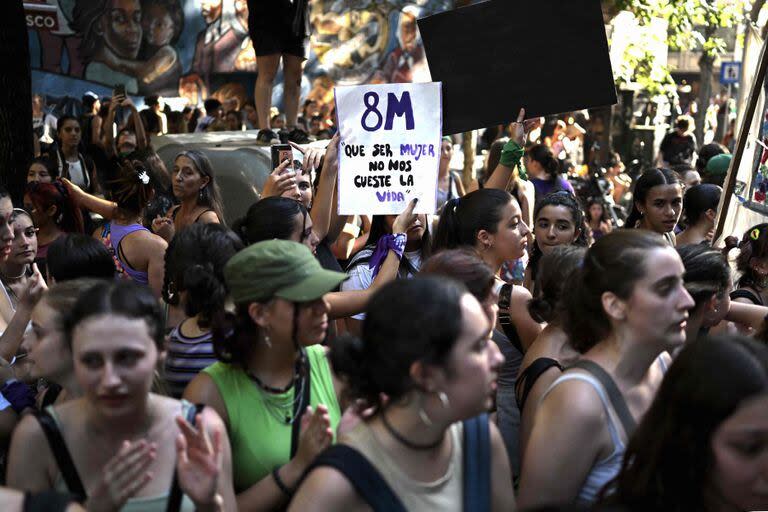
(390, 147)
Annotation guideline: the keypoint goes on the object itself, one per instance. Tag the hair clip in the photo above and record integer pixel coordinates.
(143, 175)
(754, 234)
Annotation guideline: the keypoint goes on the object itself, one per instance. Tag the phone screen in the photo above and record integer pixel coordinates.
(119, 90)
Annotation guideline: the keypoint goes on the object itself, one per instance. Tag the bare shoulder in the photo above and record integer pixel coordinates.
(574, 402)
(209, 217)
(326, 488)
(150, 241)
(203, 390)
(520, 293)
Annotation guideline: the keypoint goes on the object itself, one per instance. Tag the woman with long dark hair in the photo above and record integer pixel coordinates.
(700, 210)
(426, 367)
(624, 308)
(558, 219)
(657, 203)
(702, 443)
(194, 186)
(544, 172)
(752, 265)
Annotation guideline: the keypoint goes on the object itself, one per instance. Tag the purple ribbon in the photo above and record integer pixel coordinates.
(386, 243)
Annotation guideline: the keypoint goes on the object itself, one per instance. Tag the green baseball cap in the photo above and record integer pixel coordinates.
(718, 164)
(278, 268)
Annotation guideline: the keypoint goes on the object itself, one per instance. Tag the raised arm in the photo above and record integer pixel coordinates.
(11, 339)
(90, 202)
(138, 127)
(511, 155)
(321, 207)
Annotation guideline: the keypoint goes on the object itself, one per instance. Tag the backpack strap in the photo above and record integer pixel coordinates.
(477, 464)
(367, 481)
(614, 395)
(505, 320)
(175, 496)
(61, 455)
(528, 377)
(300, 407)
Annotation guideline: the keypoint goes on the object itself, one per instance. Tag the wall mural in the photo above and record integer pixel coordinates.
(196, 48)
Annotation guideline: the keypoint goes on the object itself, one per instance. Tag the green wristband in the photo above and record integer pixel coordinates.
(511, 154)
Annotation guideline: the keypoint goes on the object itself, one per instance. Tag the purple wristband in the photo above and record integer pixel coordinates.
(386, 243)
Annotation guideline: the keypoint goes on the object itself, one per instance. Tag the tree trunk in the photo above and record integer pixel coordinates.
(15, 100)
(468, 148)
(706, 63)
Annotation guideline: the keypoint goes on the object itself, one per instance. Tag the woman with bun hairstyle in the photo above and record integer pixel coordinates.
(272, 386)
(657, 203)
(489, 221)
(544, 172)
(624, 308)
(426, 348)
(702, 443)
(558, 219)
(752, 265)
(138, 253)
(700, 210)
(119, 444)
(194, 280)
(550, 354)
(283, 218)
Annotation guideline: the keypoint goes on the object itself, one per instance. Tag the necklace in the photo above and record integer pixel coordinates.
(410, 444)
(13, 278)
(279, 407)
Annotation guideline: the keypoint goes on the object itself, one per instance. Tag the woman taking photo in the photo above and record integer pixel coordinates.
(194, 280)
(658, 201)
(195, 188)
(700, 210)
(624, 308)
(702, 443)
(558, 220)
(488, 220)
(115, 333)
(426, 348)
(272, 386)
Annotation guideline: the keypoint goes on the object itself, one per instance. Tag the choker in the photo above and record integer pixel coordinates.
(410, 444)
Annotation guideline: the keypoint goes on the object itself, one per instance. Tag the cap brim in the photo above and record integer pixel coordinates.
(313, 287)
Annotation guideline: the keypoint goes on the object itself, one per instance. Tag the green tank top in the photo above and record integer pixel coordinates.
(260, 442)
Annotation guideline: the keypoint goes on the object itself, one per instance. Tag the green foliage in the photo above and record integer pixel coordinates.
(693, 25)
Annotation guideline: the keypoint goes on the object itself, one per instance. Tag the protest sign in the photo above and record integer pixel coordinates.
(494, 57)
(389, 150)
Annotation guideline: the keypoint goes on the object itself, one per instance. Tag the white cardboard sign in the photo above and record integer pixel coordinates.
(389, 150)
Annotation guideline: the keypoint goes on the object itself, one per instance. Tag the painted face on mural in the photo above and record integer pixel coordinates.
(121, 28)
(158, 25)
(211, 10)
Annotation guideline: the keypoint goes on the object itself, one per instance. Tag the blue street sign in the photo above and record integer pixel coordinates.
(730, 73)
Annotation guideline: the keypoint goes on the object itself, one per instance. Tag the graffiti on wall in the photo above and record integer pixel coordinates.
(193, 48)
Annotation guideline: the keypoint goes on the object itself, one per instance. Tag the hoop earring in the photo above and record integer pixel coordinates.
(423, 414)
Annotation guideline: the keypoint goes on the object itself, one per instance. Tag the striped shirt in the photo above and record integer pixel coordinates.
(186, 357)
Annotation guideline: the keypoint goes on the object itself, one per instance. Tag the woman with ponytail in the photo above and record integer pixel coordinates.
(272, 386)
(657, 203)
(425, 367)
(550, 353)
(544, 171)
(700, 210)
(194, 280)
(138, 253)
(623, 309)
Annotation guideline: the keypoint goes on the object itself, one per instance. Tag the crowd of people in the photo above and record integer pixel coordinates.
(519, 350)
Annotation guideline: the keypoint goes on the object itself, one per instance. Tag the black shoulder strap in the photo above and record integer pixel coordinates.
(61, 454)
(743, 293)
(367, 481)
(528, 377)
(505, 321)
(477, 464)
(614, 395)
(301, 406)
(175, 496)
